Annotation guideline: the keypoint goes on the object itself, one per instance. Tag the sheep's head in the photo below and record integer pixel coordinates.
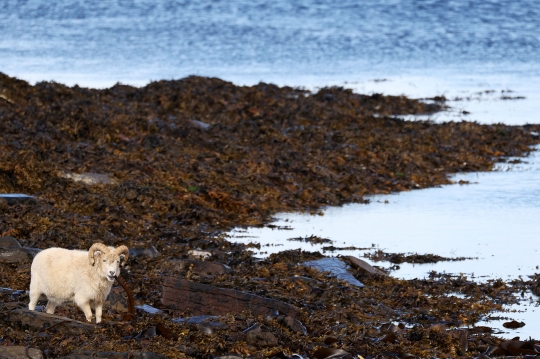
(107, 259)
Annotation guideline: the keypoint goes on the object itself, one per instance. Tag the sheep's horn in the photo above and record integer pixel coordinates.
(125, 251)
(96, 247)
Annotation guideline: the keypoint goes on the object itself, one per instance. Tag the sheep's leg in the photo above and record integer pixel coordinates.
(99, 311)
(84, 304)
(51, 306)
(34, 297)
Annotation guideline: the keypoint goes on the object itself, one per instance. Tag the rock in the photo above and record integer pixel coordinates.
(200, 124)
(200, 298)
(197, 254)
(84, 354)
(88, 178)
(16, 352)
(17, 255)
(261, 339)
(149, 309)
(11, 199)
(150, 252)
(201, 268)
(360, 264)
(116, 300)
(9, 242)
(293, 324)
(336, 267)
(24, 319)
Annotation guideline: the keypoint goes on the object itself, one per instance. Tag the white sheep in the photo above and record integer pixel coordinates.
(65, 275)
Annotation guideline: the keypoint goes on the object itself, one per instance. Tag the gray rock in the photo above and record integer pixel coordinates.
(150, 252)
(149, 309)
(24, 319)
(202, 268)
(17, 255)
(360, 264)
(336, 267)
(9, 242)
(261, 339)
(200, 124)
(11, 199)
(17, 352)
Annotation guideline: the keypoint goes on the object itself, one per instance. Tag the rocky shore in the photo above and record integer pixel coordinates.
(166, 169)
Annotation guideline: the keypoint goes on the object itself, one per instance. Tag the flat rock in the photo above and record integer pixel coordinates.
(200, 299)
(202, 268)
(24, 319)
(336, 267)
(17, 255)
(84, 354)
(150, 252)
(9, 242)
(11, 199)
(362, 265)
(17, 352)
(88, 178)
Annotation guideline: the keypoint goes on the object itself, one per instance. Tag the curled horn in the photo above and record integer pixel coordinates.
(96, 247)
(123, 250)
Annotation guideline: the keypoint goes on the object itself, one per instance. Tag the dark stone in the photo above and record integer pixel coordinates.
(201, 268)
(24, 319)
(261, 339)
(293, 324)
(17, 255)
(200, 298)
(12, 199)
(83, 354)
(336, 267)
(9, 242)
(16, 352)
(364, 266)
(150, 252)
(116, 300)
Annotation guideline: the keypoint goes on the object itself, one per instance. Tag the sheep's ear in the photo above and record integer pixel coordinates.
(96, 255)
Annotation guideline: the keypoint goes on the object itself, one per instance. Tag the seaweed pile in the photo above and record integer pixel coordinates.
(171, 166)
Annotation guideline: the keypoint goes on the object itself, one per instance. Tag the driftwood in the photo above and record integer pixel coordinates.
(199, 299)
(131, 303)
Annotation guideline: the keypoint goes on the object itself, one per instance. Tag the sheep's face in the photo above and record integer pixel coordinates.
(109, 265)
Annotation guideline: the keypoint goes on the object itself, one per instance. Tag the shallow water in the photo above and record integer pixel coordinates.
(494, 219)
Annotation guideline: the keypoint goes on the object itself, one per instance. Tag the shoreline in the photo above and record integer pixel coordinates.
(180, 162)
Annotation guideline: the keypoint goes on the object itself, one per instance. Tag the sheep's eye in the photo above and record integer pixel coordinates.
(104, 260)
